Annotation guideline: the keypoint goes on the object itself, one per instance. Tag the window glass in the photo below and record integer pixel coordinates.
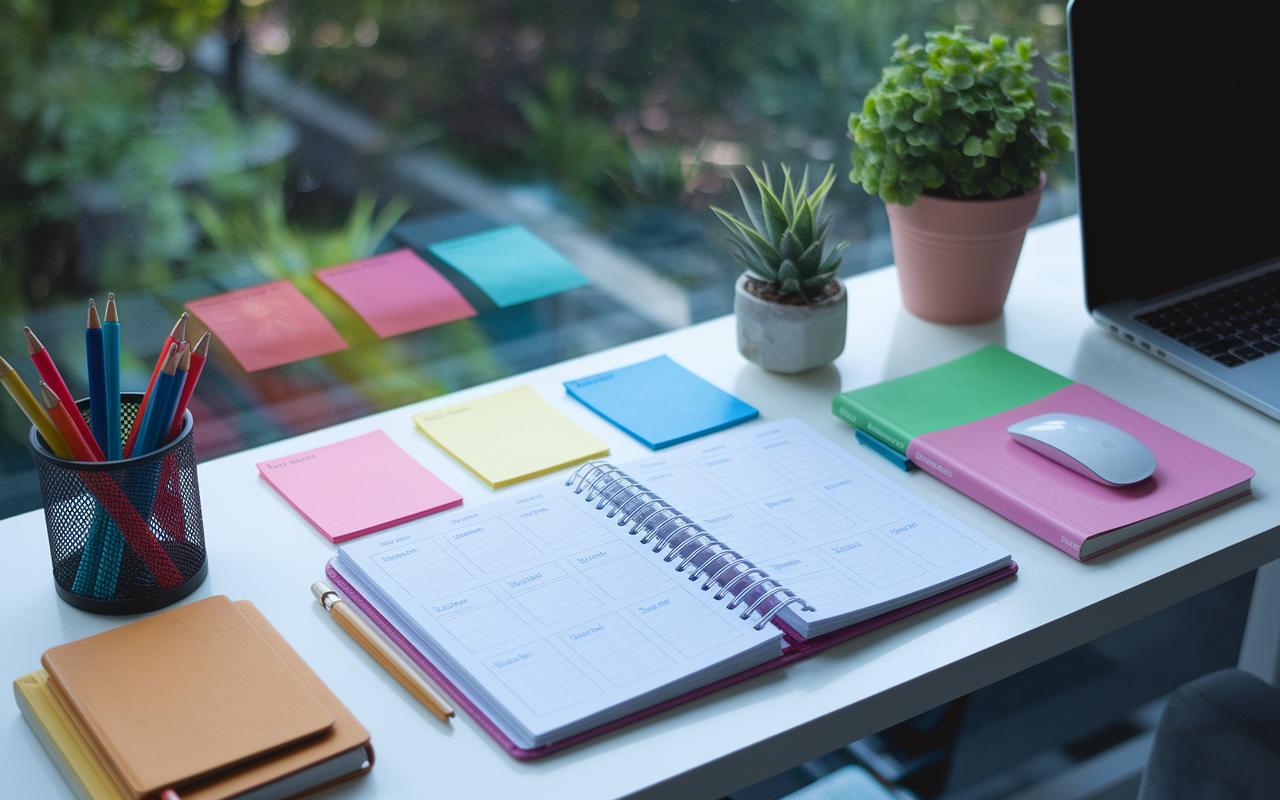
(172, 150)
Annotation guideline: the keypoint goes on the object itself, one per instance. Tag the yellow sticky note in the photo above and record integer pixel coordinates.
(509, 437)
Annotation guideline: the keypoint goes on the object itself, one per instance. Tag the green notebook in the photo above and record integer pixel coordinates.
(989, 381)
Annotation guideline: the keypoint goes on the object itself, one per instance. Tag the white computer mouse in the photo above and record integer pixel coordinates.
(1095, 449)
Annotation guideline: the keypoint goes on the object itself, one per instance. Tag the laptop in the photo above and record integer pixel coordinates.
(1179, 185)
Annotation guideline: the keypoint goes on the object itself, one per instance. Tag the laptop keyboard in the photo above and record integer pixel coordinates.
(1233, 324)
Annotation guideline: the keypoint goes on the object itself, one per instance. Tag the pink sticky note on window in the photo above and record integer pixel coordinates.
(269, 325)
(358, 486)
(397, 292)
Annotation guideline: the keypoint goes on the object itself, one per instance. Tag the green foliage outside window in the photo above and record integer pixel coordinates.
(99, 121)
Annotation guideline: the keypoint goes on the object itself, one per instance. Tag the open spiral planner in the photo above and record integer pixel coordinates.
(571, 608)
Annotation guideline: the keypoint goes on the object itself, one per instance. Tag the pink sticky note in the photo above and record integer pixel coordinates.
(269, 325)
(358, 486)
(397, 292)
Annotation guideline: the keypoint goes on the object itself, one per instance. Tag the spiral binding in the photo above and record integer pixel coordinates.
(655, 518)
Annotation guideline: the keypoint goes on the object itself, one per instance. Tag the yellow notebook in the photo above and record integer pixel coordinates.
(82, 770)
(508, 437)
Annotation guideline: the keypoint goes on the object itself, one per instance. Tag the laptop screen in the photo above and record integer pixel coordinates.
(1176, 150)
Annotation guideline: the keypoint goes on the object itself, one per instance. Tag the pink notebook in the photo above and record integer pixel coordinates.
(1073, 513)
(796, 649)
(397, 292)
(269, 325)
(358, 486)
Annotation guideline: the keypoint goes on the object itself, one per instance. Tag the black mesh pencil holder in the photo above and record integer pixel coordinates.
(126, 536)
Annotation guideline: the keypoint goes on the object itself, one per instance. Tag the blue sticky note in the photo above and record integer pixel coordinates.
(660, 402)
(510, 264)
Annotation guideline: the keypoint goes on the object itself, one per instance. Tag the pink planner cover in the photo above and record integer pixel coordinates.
(794, 649)
(1064, 508)
(358, 486)
(397, 292)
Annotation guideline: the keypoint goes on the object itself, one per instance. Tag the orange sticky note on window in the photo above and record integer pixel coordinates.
(358, 486)
(269, 325)
(397, 292)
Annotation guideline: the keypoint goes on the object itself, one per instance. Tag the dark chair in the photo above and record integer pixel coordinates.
(1218, 739)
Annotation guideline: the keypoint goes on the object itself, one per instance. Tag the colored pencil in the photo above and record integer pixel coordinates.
(178, 334)
(131, 526)
(95, 362)
(33, 410)
(65, 423)
(198, 355)
(169, 402)
(153, 403)
(111, 372)
(49, 374)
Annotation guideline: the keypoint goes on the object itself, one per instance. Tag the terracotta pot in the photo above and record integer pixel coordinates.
(956, 258)
(790, 339)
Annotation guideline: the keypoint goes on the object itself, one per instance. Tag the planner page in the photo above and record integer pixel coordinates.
(553, 617)
(851, 542)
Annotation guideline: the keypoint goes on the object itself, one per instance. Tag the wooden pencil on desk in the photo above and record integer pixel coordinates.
(111, 375)
(178, 334)
(373, 644)
(49, 374)
(33, 410)
(63, 419)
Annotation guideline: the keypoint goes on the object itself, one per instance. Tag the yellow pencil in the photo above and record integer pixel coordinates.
(32, 408)
(400, 669)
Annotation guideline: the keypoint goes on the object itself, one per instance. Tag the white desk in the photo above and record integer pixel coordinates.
(262, 550)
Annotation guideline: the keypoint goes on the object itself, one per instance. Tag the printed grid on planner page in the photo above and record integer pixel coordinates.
(837, 533)
(549, 606)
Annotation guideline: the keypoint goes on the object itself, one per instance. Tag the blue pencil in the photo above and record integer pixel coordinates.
(153, 400)
(164, 420)
(111, 369)
(95, 360)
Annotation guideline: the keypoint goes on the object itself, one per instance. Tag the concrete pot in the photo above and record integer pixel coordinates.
(956, 258)
(790, 339)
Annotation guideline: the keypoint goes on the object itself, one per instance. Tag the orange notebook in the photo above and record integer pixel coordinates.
(207, 699)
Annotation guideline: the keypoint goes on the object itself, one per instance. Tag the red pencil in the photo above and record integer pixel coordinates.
(178, 334)
(50, 375)
(197, 355)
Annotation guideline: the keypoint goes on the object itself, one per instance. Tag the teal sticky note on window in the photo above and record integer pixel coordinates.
(510, 265)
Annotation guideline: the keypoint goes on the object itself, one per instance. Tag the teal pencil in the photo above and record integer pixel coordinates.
(110, 552)
(110, 545)
(111, 372)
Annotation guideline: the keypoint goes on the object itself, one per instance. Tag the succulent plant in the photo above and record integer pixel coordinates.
(958, 117)
(783, 246)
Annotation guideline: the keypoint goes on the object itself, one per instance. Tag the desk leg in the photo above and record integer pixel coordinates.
(1260, 650)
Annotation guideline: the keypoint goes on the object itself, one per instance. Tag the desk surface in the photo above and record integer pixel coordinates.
(260, 549)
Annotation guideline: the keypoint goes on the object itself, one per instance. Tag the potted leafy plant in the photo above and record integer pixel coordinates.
(955, 141)
(790, 307)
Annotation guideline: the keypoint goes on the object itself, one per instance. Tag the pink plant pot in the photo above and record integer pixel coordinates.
(956, 257)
